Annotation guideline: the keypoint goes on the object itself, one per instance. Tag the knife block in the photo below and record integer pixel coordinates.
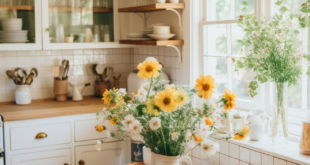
(60, 89)
(101, 86)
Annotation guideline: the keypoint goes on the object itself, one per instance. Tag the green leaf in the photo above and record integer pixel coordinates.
(245, 3)
(305, 9)
(302, 24)
(308, 1)
(244, 9)
(101, 141)
(229, 137)
(279, 2)
(140, 109)
(283, 9)
(253, 85)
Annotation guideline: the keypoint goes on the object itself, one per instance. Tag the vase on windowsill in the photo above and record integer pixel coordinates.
(279, 132)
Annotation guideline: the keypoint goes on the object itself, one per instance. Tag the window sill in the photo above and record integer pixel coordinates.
(288, 152)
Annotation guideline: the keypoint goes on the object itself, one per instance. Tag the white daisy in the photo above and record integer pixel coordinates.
(151, 58)
(188, 135)
(209, 148)
(135, 136)
(98, 145)
(175, 136)
(121, 92)
(129, 120)
(155, 123)
(136, 127)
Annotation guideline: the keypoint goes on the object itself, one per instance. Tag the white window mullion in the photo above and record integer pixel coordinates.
(229, 62)
(232, 9)
(304, 71)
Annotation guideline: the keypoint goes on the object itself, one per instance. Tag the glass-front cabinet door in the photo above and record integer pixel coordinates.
(20, 25)
(70, 24)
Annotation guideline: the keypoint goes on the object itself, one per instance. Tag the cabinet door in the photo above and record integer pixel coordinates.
(55, 157)
(82, 24)
(111, 153)
(20, 27)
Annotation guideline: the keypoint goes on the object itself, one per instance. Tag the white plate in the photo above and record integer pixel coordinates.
(5, 41)
(161, 36)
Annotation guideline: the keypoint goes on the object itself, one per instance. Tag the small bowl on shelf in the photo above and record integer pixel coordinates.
(135, 35)
(161, 29)
(161, 36)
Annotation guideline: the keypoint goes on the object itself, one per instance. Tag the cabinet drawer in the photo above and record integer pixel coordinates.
(25, 137)
(85, 130)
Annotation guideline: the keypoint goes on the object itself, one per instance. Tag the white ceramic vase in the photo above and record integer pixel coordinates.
(23, 94)
(170, 160)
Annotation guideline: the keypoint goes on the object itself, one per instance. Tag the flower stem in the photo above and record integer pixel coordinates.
(148, 92)
(280, 112)
(162, 135)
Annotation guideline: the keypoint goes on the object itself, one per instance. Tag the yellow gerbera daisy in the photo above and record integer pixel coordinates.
(231, 101)
(106, 98)
(209, 121)
(239, 137)
(151, 107)
(149, 69)
(166, 100)
(118, 104)
(182, 97)
(242, 134)
(205, 86)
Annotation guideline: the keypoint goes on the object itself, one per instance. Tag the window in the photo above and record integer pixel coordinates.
(218, 47)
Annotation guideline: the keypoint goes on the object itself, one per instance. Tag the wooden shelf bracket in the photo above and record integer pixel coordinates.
(179, 14)
(179, 52)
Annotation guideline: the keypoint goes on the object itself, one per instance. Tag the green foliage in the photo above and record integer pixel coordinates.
(229, 137)
(245, 3)
(279, 2)
(283, 9)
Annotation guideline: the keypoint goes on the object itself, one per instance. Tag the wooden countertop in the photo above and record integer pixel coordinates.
(50, 108)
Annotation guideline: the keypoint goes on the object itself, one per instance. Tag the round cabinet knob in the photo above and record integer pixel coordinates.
(41, 135)
(47, 29)
(81, 162)
(66, 164)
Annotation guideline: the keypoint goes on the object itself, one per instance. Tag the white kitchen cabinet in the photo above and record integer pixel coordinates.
(110, 154)
(71, 19)
(55, 157)
(30, 13)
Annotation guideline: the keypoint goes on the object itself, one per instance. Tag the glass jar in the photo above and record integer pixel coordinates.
(237, 122)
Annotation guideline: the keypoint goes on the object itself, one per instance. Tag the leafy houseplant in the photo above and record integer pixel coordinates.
(169, 119)
(273, 52)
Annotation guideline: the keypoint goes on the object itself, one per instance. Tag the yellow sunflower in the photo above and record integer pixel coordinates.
(239, 137)
(205, 86)
(166, 100)
(149, 69)
(197, 138)
(182, 97)
(231, 101)
(151, 107)
(106, 98)
(209, 121)
(242, 134)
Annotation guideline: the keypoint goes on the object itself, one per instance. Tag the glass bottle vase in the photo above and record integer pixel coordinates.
(279, 125)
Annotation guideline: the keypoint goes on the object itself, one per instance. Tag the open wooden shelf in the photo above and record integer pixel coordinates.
(17, 7)
(69, 9)
(153, 7)
(153, 42)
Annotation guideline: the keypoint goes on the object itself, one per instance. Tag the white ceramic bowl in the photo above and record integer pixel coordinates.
(135, 35)
(161, 29)
(161, 36)
(174, 1)
(161, 1)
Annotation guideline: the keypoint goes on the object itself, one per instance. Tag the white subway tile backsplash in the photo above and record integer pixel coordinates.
(2, 85)
(290, 163)
(234, 150)
(22, 53)
(267, 159)
(78, 70)
(2, 62)
(56, 60)
(155, 50)
(1, 54)
(10, 95)
(125, 59)
(224, 147)
(68, 57)
(34, 53)
(46, 61)
(244, 154)
(47, 82)
(67, 52)
(161, 50)
(56, 53)
(233, 161)
(46, 52)
(22, 62)
(10, 62)
(78, 52)
(45, 71)
(88, 52)
(10, 53)
(256, 158)
(243, 163)
(35, 61)
(3, 75)
(36, 84)
(47, 93)
(78, 60)
(36, 94)
(88, 59)
(167, 62)
(279, 161)
(224, 160)
(117, 51)
(2, 96)
(117, 59)
(9, 84)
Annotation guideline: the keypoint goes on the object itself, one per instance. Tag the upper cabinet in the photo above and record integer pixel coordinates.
(70, 24)
(20, 25)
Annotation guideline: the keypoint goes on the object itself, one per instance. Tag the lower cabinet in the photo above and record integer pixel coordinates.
(110, 154)
(54, 157)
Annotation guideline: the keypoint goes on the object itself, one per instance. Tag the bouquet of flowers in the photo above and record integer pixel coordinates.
(170, 119)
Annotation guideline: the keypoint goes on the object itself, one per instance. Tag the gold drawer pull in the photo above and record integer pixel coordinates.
(41, 135)
(81, 162)
(100, 128)
(66, 164)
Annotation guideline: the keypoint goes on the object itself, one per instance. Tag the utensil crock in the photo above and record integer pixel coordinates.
(60, 89)
(23, 95)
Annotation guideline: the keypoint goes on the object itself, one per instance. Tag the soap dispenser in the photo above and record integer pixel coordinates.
(305, 137)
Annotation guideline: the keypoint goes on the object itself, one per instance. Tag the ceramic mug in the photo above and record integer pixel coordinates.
(69, 39)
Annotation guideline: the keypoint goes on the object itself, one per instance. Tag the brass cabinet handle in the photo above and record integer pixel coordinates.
(100, 128)
(47, 29)
(41, 135)
(66, 164)
(81, 162)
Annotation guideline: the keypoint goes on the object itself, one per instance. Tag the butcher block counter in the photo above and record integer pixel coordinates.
(49, 108)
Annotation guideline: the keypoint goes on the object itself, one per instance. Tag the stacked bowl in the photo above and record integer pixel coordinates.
(12, 31)
(161, 33)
